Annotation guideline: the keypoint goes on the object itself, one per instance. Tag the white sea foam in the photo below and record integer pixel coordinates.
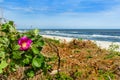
(111, 36)
(77, 35)
(102, 44)
(105, 36)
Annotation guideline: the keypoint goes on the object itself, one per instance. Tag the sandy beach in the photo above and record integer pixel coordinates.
(101, 44)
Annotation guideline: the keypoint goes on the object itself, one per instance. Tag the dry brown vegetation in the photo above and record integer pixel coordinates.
(79, 60)
(83, 60)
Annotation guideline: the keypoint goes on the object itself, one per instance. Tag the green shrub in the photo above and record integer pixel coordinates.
(21, 50)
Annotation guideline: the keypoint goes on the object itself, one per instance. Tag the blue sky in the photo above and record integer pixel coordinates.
(52, 14)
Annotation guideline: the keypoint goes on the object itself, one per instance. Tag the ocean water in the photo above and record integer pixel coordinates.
(112, 35)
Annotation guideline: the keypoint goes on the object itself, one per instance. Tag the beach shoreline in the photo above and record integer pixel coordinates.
(101, 44)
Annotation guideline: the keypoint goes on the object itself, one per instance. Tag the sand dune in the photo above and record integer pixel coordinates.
(102, 44)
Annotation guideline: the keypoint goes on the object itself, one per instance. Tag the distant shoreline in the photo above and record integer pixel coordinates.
(101, 44)
(89, 34)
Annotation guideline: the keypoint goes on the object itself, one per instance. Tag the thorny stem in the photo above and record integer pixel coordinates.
(53, 46)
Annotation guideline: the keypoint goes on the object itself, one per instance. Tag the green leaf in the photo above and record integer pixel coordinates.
(28, 56)
(36, 62)
(40, 43)
(4, 27)
(30, 73)
(13, 69)
(16, 55)
(1, 45)
(16, 47)
(5, 40)
(11, 23)
(35, 50)
(12, 37)
(3, 65)
(2, 54)
(33, 38)
(11, 28)
(26, 61)
(1, 71)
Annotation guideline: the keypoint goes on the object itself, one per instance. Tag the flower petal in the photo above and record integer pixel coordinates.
(24, 40)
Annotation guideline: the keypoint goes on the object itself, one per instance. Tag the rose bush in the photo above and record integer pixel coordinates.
(21, 50)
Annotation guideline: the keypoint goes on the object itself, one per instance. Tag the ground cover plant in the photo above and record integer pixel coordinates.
(29, 56)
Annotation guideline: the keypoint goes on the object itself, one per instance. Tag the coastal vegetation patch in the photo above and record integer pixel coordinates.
(29, 56)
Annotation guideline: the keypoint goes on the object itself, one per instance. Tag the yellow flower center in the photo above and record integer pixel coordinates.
(24, 44)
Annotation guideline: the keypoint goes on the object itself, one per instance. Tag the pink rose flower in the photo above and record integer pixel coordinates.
(25, 43)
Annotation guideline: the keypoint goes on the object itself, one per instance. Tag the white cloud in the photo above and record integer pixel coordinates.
(28, 9)
(105, 19)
